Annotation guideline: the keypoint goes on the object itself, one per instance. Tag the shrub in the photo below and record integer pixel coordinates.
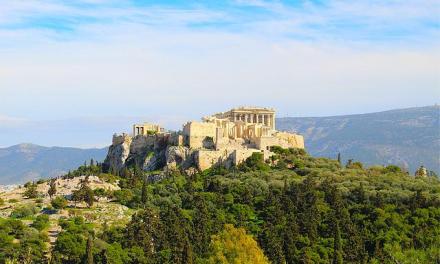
(100, 192)
(24, 211)
(41, 222)
(123, 196)
(31, 191)
(392, 169)
(40, 181)
(59, 202)
(255, 162)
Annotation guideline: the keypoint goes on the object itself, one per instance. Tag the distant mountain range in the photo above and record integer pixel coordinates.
(25, 162)
(405, 137)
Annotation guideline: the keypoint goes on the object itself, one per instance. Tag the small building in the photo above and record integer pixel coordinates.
(146, 129)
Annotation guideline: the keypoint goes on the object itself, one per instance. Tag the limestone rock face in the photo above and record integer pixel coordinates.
(179, 156)
(149, 152)
(154, 160)
(117, 155)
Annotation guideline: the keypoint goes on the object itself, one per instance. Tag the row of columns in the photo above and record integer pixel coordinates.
(138, 130)
(266, 119)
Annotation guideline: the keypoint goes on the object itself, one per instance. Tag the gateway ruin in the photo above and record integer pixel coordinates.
(226, 138)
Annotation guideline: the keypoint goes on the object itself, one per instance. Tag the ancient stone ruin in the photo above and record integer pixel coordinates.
(226, 139)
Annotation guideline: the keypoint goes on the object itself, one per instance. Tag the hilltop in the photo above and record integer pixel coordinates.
(406, 137)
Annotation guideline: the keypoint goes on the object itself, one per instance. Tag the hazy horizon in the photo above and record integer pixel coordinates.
(95, 132)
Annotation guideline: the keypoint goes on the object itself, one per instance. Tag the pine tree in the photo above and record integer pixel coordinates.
(89, 250)
(52, 188)
(339, 158)
(144, 195)
(202, 225)
(291, 235)
(31, 191)
(337, 244)
(187, 253)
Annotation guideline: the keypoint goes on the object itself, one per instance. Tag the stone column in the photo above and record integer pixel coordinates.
(273, 121)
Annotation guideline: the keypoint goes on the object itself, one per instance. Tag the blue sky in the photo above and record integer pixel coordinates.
(65, 63)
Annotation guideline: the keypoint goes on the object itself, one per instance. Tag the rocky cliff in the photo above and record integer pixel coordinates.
(149, 152)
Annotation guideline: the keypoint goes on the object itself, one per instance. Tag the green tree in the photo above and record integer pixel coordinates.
(31, 191)
(52, 188)
(202, 225)
(337, 243)
(224, 247)
(144, 194)
(89, 249)
(84, 193)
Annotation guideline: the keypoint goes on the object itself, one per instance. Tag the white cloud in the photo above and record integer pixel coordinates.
(150, 63)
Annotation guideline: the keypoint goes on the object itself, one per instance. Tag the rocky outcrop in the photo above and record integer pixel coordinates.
(154, 160)
(179, 156)
(118, 154)
(149, 152)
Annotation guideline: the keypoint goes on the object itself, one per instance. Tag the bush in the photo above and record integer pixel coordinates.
(123, 196)
(41, 222)
(255, 162)
(40, 181)
(24, 211)
(100, 192)
(12, 200)
(2, 202)
(59, 202)
(31, 191)
(392, 169)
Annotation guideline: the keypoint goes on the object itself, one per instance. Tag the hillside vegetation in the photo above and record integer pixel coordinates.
(292, 209)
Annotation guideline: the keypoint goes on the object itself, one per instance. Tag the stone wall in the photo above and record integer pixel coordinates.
(205, 159)
(240, 155)
(293, 140)
(282, 139)
(196, 134)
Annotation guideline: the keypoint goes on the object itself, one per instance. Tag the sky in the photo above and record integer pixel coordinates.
(74, 72)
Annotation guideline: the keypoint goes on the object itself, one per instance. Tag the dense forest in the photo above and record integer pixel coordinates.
(293, 208)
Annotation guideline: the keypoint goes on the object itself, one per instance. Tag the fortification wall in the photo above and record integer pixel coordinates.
(240, 155)
(121, 138)
(293, 140)
(205, 159)
(197, 133)
(282, 139)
